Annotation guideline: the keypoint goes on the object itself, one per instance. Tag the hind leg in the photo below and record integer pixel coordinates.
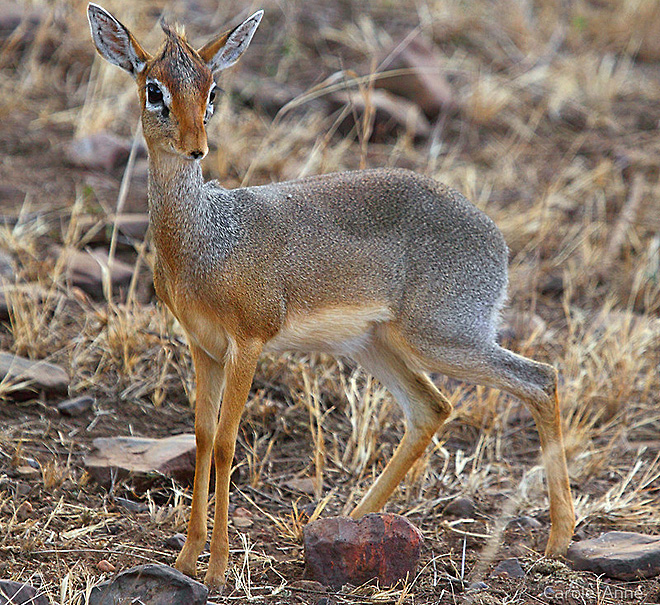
(425, 410)
(536, 385)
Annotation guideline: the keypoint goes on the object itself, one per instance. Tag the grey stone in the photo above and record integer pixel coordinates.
(509, 567)
(18, 593)
(619, 555)
(171, 456)
(175, 542)
(38, 375)
(461, 507)
(84, 270)
(99, 151)
(150, 585)
(76, 406)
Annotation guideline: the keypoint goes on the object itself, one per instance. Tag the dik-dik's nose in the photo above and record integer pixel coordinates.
(197, 155)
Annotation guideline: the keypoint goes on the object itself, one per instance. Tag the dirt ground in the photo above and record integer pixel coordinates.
(551, 127)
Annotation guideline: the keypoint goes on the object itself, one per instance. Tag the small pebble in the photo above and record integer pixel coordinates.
(175, 542)
(461, 507)
(105, 566)
(77, 406)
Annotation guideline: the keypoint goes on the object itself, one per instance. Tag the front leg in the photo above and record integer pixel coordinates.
(210, 376)
(240, 368)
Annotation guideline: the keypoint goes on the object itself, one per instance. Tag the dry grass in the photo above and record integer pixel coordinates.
(555, 138)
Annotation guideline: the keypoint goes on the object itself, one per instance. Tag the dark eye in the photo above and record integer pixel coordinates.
(154, 94)
(212, 95)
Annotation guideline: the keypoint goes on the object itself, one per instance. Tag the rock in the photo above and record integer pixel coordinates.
(241, 518)
(171, 456)
(422, 80)
(76, 406)
(620, 555)
(37, 375)
(339, 550)
(461, 507)
(175, 542)
(7, 266)
(509, 567)
(132, 226)
(392, 114)
(525, 522)
(99, 151)
(270, 96)
(306, 485)
(130, 505)
(105, 566)
(152, 585)
(18, 593)
(84, 270)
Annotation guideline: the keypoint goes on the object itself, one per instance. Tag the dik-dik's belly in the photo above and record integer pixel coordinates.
(335, 330)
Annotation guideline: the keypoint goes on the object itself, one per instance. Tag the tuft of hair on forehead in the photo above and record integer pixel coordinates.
(173, 31)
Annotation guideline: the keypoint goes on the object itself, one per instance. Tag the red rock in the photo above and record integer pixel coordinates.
(105, 566)
(382, 546)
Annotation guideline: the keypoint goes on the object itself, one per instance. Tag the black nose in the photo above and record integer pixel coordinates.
(195, 155)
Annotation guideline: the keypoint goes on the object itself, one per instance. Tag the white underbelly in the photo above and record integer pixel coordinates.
(341, 331)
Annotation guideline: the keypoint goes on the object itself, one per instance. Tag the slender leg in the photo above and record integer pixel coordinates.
(425, 409)
(239, 373)
(562, 514)
(536, 385)
(210, 382)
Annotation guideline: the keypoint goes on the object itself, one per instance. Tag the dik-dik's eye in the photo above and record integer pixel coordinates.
(209, 104)
(158, 98)
(154, 94)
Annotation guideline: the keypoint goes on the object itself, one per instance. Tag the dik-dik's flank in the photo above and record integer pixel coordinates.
(390, 268)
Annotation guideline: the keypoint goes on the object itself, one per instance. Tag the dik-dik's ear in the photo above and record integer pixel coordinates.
(224, 51)
(115, 42)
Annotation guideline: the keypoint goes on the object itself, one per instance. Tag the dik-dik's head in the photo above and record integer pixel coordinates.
(175, 86)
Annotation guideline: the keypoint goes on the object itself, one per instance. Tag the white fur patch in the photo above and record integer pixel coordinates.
(336, 331)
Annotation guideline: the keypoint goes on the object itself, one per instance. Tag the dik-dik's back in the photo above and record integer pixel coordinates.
(386, 266)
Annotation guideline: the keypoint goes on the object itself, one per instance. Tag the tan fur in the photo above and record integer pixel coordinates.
(391, 268)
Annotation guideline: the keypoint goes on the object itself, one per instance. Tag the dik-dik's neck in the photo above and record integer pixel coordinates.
(175, 198)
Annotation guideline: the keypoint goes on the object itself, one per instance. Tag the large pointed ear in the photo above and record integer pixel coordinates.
(115, 42)
(224, 51)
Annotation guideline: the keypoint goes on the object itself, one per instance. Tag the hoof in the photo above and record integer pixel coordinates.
(214, 581)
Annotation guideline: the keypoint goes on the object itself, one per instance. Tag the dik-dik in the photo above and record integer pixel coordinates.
(387, 267)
